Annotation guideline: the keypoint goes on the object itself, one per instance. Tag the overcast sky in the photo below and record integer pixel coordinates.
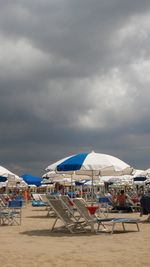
(74, 77)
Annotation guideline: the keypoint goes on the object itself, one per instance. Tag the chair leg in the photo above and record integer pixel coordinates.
(92, 228)
(113, 226)
(123, 227)
(138, 227)
(54, 224)
(105, 228)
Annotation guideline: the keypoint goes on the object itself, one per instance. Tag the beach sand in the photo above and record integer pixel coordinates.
(33, 244)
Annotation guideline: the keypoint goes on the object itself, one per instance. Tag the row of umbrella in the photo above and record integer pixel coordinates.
(77, 166)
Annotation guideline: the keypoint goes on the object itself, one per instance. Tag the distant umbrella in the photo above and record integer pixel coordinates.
(3, 179)
(8, 174)
(32, 180)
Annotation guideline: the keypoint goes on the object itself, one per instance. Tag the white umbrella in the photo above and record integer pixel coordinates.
(138, 173)
(53, 175)
(146, 173)
(8, 174)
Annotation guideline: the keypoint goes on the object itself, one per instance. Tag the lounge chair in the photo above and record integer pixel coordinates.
(37, 201)
(6, 217)
(44, 199)
(36, 197)
(91, 220)
(69, 222)
(105, 206)
(11, 215)
(15, 207)
(50, 211)
(68, 204)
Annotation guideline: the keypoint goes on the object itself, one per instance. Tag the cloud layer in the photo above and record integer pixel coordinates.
(74, 77)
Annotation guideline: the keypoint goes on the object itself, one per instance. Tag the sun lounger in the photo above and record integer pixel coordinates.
(37, 201)
(44, 199)
(69, 222)
(91, 220)
(36, 197)
(68, 204)
(50, 211)
(105, 206)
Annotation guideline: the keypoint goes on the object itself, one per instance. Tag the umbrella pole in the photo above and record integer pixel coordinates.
(81, 191)
(92, 188)
(71, 186)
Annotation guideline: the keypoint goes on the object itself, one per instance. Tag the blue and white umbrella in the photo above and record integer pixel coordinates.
(92, 164)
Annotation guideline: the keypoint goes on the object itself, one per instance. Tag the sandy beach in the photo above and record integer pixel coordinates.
(33, 244)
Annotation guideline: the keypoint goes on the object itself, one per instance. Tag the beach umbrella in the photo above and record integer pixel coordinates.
(138, 173)
(91, 164)
(146, 173)
(32, 180)
(140, 180)
(53, 175)
(3, 179)
(10, 179)
(8, 174)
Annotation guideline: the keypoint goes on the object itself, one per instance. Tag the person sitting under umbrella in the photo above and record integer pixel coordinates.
(122, 203)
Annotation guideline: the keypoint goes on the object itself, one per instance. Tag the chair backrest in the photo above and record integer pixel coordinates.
(2, 204)
(15, 204)
(104, 200)
(49, 197)
(67, 201)
(43, 198)
(67, 204)
(58, 208)
(3, 200)
(82, 209)
(36, 197)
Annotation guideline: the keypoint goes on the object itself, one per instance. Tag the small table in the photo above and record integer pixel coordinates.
(92, 209)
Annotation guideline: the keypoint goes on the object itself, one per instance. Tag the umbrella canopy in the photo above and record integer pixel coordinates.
(8, 174)
(32, 180)
(53, 175)
(92, 164)
(140, 180)
(3, 179)
(146, 173)
(138, 173)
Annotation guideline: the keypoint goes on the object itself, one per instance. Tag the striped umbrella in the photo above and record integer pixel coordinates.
(92, 164)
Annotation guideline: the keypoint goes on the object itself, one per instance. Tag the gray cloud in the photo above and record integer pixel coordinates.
(74, 77)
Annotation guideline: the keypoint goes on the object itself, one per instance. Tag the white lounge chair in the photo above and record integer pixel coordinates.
(69, 222)
(91, 220)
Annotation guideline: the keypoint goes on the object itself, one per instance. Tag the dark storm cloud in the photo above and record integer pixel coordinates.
(74, 77)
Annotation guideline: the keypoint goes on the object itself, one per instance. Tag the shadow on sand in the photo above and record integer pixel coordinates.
(62, 232)
(57, 233)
